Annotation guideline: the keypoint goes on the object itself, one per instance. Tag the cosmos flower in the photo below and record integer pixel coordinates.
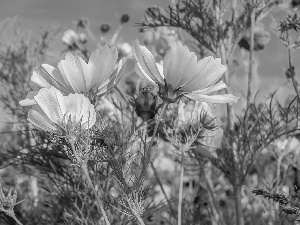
(56, 113)
(74, 75)
(181, 74)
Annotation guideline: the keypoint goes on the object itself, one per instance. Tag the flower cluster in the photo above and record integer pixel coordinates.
(67, 93)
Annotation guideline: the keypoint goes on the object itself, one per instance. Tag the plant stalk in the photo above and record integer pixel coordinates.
(180, 189)
(90, 183)
(250, 71)
(238, 203)
(99, 203)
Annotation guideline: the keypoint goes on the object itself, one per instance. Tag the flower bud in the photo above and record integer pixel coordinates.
(83, 23)
(145, 104)
(104, 28)
(125, 18)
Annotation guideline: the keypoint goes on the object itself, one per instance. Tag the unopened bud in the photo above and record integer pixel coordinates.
(104, 28)
(83, 23)
(125, 18)
(145, 105)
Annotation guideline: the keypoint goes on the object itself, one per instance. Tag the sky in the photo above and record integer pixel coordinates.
(35, 14)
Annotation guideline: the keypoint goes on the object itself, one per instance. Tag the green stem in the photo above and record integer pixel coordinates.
(180, 188)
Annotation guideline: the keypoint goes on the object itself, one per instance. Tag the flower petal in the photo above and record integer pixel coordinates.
(113, 79)
(101, 63)
(216, 87)
(208, 74)
(147, 62)
(72, 70)
(80, 111)
(40, 120)
(29, 99)
(177, 65)
(52, 102)
(228, 98)
(142, 73)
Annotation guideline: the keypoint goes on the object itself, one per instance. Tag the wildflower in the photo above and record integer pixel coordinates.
(104, 28)
(181, 75)
(125, 18)
(58, 114)
(145, 105)
(74, 75)
(70, 38)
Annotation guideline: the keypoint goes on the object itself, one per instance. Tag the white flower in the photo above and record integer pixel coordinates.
(74, 75)
(181, 74)
(125, 49)
(56, 113)
(70, 37)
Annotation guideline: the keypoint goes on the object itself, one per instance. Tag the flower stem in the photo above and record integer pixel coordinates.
(90, 183)
(141, 221)
(162, 189)
(100, 205)
(180, 188)
(164, 106)
(250, 69)
(15, 219)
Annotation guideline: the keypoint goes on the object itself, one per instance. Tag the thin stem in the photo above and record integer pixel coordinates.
(238, 203)
(100, 205)
(90, 183)
(156, 174)
(162, 189)
(141, 221)
(180, 188)
(116, 34)
(164, 106)
(15, 218)
(211, 193)
(292, 71)
(250, 71)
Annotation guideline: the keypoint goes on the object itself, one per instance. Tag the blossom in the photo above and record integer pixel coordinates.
(70, 37)
(56, 113)
(180, 74)
(74, 75)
